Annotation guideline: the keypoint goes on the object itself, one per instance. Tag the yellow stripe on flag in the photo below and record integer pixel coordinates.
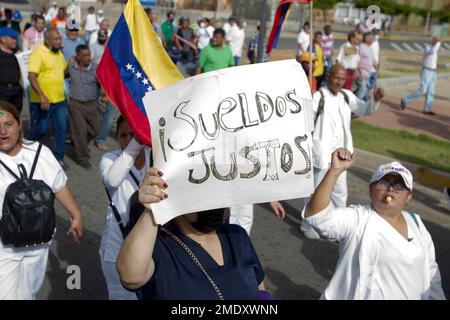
(147, 48)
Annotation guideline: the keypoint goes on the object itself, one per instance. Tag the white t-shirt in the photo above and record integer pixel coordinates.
(430, 55)
(114, 171)
(375, 46)
(94, 36)
(91, 22)
(226, 27)
(303, 42)
(348, 56)
(74, 12)
(369, 250)
(97, 51)
(52, 12)
(236, 38)
(204, 36)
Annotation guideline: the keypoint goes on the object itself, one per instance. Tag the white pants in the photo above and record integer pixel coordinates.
(22, 272)
(243, 216)
(115, 289)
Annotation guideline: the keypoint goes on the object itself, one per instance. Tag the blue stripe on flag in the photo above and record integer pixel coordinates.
(284, 9)
(131, 72)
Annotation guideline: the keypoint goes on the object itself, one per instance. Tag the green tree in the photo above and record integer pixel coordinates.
(325, 5)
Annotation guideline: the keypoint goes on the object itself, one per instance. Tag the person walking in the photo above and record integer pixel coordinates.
(367, 77)
(22, 269)
(217, 55)
(427, 78)
(10, 88)
(34, 35)
(319, 68)
(84, 115)
(326, 43)
(303, 40)
(235, 38)
(90, 23)
(46, 71)
(331, 120)
(60, 21)
(348, 57)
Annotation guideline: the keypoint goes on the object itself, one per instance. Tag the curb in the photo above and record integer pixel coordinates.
(428, 177)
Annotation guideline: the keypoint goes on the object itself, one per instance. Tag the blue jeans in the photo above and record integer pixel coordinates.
(237, 60)
(40, 122)
(329, 64)
(426, 88)
(105, 125)
(363, 86)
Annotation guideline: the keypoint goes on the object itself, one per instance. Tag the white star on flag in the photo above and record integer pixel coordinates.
(145, 81)
(138, 75)
(150, 89)
(129, 66)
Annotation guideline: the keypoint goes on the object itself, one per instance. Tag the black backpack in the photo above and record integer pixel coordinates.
(28, 209)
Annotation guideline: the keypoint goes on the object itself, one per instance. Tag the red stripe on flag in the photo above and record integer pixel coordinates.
(109, 77)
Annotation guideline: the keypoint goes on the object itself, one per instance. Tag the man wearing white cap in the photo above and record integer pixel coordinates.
(385, 252)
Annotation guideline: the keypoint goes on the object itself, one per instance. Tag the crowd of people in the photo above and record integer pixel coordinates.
(200, 255)
(360, 56)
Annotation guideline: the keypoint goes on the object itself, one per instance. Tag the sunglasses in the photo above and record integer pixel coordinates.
(383, 185)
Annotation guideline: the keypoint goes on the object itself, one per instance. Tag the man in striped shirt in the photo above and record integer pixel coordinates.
(326, 42)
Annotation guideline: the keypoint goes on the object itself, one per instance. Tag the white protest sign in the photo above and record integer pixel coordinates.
(22, 58)
(231, 137)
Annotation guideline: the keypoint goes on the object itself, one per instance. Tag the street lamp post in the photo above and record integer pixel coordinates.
(262, 31)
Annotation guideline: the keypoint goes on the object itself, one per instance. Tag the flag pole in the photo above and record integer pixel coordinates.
(310, 42)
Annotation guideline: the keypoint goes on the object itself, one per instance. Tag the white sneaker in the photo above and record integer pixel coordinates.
(308, 230)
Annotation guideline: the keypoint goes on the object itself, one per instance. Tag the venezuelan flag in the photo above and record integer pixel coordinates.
(278, 22)
(135, 62)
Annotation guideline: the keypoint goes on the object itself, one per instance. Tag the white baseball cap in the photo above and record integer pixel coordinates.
(393, 168)
(100, 11)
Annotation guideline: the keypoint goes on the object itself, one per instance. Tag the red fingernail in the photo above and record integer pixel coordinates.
(165, 185)
(160, 173)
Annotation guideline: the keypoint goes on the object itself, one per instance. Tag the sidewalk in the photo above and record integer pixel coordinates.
(413, 120)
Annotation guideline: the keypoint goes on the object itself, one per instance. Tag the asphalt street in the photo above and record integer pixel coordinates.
(295, 267)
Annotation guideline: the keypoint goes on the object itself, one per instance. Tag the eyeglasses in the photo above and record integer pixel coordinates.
(398, 186)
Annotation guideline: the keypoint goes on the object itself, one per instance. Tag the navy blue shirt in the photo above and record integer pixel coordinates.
(178, 277)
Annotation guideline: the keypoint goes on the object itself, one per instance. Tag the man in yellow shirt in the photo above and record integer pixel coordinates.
(46, 74)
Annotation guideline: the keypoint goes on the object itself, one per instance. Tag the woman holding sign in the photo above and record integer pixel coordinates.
(195, 256)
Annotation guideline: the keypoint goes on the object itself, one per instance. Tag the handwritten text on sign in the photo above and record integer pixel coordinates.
(231, 137)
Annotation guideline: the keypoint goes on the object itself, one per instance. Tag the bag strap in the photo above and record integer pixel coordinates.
(33, 167)
(9, 170)
(321, 106)
(194, 258)
(116, 214)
